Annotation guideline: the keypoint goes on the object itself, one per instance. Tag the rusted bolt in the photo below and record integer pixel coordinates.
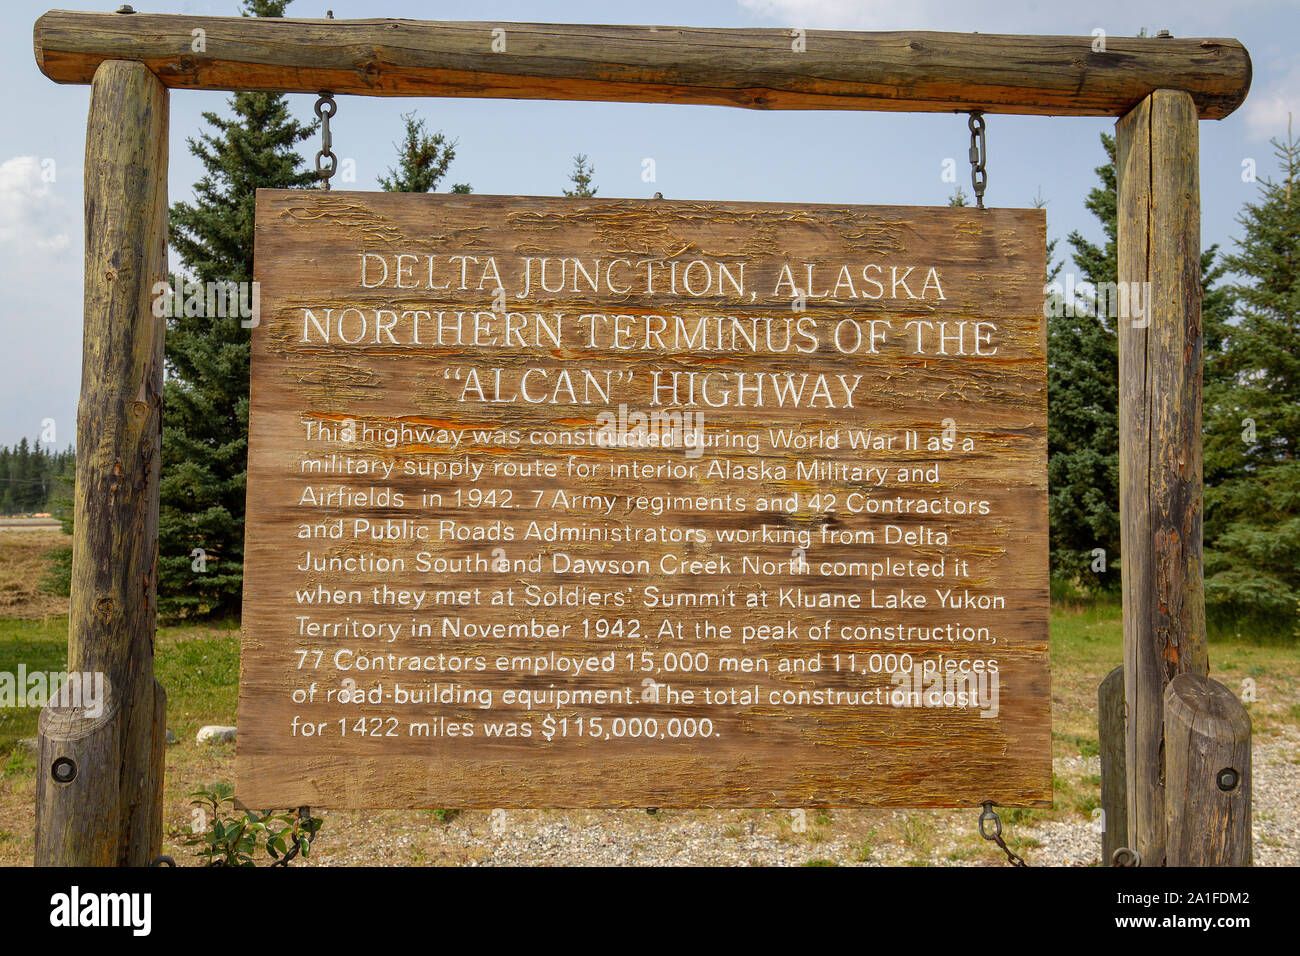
(1228, 779)
(63, 770)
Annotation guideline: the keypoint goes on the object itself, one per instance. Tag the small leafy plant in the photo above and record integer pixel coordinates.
(223, 838)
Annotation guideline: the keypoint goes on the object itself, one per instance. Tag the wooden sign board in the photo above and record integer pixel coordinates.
(624, 503)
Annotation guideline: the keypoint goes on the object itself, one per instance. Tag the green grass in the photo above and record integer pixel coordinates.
(1090, 635)
(866, 849)
(1087, 643)
(38, 646)
(199, 667)
(1085, 745)
(19, 763)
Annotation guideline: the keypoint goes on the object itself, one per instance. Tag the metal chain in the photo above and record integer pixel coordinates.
(979, 177)
(989, 815)
(325, 108)
(304, 817)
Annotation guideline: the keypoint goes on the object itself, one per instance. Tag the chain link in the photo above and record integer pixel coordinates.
(1125, 857)
(310, 825)
(325, 108)
(990, 816)
(979, 177)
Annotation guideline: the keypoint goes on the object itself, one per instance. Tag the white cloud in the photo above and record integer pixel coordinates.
(34, 217)
(1269, 110)
(40, 269)
(54, 243)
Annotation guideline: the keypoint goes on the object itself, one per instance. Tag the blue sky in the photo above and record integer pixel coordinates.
(526, 148)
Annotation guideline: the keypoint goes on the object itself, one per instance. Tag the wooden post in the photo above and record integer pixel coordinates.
(76, 802)
(1110, 740)
(1207, 775)
(119, 429)
(1160, 436)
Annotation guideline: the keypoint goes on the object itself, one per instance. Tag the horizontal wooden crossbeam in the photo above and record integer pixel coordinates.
(757, 69)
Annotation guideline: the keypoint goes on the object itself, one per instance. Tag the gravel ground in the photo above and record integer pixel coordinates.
(776, 838)
(1276, 794)
(622, 838)
(1276, 829)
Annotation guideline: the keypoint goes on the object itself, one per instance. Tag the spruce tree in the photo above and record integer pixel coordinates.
(581, 177)
(422, 160)
(205, 420)
(1252, 452)
(1083, 409)
(1083, 396)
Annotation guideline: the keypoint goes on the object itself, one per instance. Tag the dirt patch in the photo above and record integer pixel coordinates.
(24, 565)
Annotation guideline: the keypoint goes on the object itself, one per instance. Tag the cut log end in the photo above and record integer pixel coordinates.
(1207, 775)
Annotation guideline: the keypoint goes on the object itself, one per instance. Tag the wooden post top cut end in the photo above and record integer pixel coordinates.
(750, 68)
(78, 708)
(1206, 705)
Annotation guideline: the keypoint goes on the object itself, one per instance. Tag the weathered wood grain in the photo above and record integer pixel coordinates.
(308, 249)
(1110, 740)
(753, 68)
(1207, 774)
(1160, 438)
(78, 820)
(151, 818)
(119, 426)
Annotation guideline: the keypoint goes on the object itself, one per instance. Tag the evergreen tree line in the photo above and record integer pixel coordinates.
(34, 479)
(1251, 391)
(1251, 411)
(205, 393)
